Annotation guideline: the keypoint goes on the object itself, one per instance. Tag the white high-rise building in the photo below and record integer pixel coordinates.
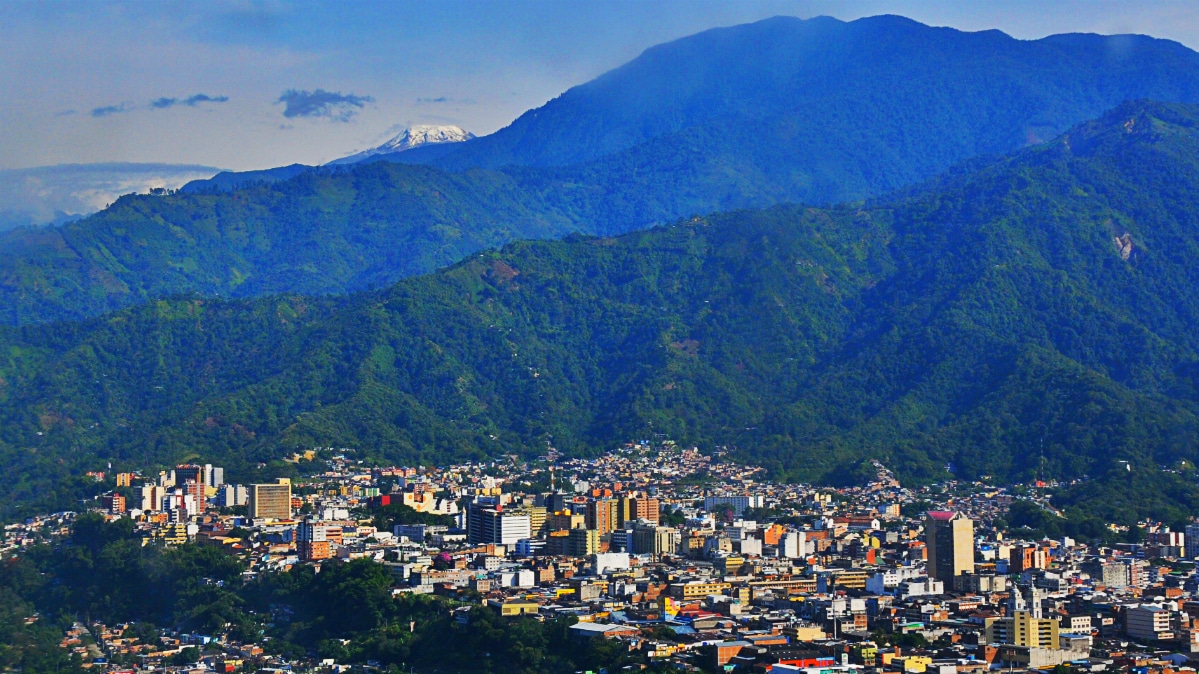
(214, 476)
(793, 544)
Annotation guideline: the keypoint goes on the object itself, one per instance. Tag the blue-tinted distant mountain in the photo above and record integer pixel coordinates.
(226, 181)
(778, 111)
(840, 110)
(52, 195)
(420, 136)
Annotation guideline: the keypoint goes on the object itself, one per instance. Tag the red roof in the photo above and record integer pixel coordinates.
(942, 515)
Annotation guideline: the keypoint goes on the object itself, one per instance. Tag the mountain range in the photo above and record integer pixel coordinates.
(785, 110)
(1038, 304)
(410, 138)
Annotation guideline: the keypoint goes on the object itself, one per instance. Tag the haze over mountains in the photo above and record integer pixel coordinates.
(48, 195)
(955, 308)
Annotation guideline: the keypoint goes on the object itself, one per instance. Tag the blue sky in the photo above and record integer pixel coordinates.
(247, 84)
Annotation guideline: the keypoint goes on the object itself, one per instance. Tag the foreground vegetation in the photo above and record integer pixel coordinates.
(104, 574)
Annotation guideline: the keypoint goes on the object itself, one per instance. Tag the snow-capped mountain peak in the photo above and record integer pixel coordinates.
(415, 136)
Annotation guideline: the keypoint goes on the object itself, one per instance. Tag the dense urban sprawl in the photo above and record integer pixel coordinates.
(678, 558)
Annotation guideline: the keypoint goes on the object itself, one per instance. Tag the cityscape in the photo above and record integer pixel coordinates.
(599, 337)
(679, 557)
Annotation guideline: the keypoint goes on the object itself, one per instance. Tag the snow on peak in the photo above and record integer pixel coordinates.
(415, 136)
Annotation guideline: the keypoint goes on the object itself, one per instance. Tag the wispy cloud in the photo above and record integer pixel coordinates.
(156, 104)
(190, 101)
(105, 111)
(447, 99)
(332, 105)
(65, 113)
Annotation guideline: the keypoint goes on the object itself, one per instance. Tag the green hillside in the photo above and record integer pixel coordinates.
(782, 110)
(1040, 305)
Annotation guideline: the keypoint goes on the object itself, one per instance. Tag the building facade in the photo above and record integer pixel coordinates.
(270, 501)
(949, 538)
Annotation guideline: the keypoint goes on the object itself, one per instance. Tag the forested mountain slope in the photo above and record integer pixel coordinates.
(1039, 305)
(782, 110)
(915, 97)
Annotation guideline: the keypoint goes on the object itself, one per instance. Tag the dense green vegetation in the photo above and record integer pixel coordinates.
(779, 111)
(103, 573)
(321, 232)
(966, 327)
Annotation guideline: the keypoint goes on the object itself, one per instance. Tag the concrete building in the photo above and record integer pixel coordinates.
(949, 538)
(1114, 575)
(488, 523)
(214, 476)
(1035, 632)
(114, 504)
(187, 473)
(1192, 541)
(653, 540)
(645, 509)
(1148, 622)
(793, 544)
(739, 503)
(602, 515)
(610, 561)
(1023, 629)
(230, 495)
(270, 501)
(583, 542)
(1027, 557)
(312, 542)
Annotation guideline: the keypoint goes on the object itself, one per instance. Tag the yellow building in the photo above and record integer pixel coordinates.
(799, 634)
(584, 542)
(1036, 632)
(270, 501)
(565, 520)
(1022, 629)
(171, 534)
(697, 590)
(514, 608)
(864, 653)
(730, 565)
(912, 663)
(537, 518)
(850, 580)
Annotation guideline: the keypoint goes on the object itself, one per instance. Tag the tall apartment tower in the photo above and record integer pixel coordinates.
(312, 541)
(270, 501)
(487, 523)
(602, 515)
(188, 473)
(214, 476)
(949, 537)
(645, 508)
